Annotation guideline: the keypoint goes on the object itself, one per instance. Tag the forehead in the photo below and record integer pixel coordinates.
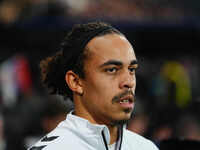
(111, 46)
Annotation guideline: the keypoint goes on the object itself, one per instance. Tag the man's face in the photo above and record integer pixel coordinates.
(109, 83)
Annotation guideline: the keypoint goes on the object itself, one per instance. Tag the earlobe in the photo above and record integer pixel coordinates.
(74, 82)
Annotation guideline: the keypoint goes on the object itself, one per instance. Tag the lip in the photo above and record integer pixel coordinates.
(129, 97)
(129, 104)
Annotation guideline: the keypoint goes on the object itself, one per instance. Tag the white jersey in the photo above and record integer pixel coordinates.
(76, 133)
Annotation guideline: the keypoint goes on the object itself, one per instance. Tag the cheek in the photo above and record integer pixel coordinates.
(99, 87)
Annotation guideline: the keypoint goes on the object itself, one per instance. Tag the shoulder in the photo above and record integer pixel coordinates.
(49, 142)
(139, 141)
(59, 138)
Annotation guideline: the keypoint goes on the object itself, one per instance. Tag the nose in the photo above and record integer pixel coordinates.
(128, 81)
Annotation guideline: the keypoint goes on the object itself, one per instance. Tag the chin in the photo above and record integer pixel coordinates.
(120, 122)
(124, 118)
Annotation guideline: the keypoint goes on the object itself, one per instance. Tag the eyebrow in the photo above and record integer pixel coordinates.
(117, 63)
(134, 62)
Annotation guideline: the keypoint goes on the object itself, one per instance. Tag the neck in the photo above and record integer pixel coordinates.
(81, 112)
(112, 129)
(113, 133)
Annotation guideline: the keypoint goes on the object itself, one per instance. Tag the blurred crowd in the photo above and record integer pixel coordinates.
(17, 11)
(167, 93)
(168, 99)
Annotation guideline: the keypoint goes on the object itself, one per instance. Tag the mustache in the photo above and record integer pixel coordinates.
(118, 97)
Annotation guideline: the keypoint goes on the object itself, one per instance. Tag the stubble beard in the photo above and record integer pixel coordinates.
(122, 121)
(126, 111)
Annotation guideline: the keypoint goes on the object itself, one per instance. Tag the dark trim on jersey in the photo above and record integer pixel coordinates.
(38, 147)
(48, 139)
(119, 139)
(104, 140)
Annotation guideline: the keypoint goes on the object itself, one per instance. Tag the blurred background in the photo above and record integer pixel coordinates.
(166, 38)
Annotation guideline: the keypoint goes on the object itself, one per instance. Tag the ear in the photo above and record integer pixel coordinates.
(74, 82)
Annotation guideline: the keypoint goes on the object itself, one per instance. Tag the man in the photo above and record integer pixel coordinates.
(96, 69)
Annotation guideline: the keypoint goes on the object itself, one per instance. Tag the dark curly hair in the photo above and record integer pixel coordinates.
(71, 56)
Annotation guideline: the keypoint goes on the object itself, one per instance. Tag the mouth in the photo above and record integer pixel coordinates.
(127, 102)
(124, 101)
(127, 99)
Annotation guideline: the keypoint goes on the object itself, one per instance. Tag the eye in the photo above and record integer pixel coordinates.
(132, 70)
(111, 70)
